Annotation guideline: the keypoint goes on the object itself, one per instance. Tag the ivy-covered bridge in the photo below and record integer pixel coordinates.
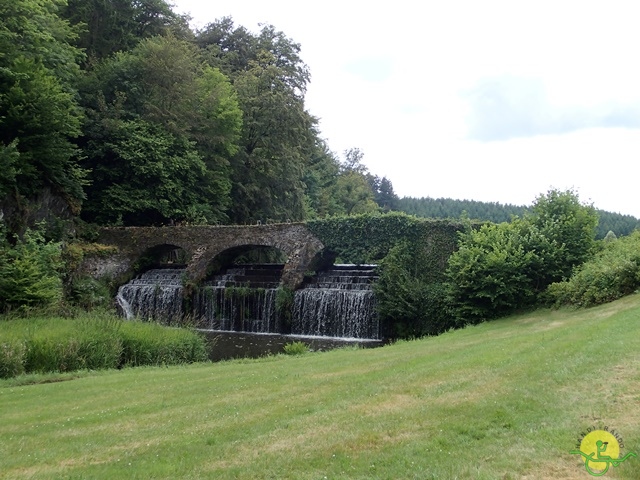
(307, 246)
(202, 244)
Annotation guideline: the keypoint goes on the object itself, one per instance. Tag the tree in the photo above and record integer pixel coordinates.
(320, 179)
(192, 120)
(570, 227)
(383, 192)
(495, 270)
(107, 27)
(353, 161)
(277, 137)
(500, 268)
(353, 192)
(29, 271)
(39, 116)
(148, 176)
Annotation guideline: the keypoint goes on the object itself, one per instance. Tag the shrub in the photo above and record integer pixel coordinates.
(29, 271)
(613, 273)
(569, 226)
(88, 293)
(296, 348)
(409, 303)
(495, 270)
(501, 268)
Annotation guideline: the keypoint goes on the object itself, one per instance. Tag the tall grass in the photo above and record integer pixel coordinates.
(92, 341)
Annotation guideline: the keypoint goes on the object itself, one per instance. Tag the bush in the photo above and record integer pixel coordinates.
(409, 303)
(29, 272)
(296, 348)
(613, 273)
(501, 268)
(495, 270)
(88, 293)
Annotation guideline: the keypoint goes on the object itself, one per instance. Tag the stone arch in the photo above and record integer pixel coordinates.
(164, 253)
(203, 243)
(227, 257)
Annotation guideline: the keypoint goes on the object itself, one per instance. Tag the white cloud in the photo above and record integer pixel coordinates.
(510, 107)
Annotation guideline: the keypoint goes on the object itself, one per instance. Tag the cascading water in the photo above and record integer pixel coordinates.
(241, 300)
(156, 294)
(338, 303)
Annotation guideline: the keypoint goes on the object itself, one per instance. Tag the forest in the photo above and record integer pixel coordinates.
(119, 113)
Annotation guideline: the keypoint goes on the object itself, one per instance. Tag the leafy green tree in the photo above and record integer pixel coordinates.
(495, 270)
(353, 192)
(276, 140)
(39, 116)
(570, 227)
(383, 192)
(320, 179)
(227, 46)
(191, 117)
(29, 271)
(148, 176)
(107, 27)
(500, 268)
(355, 189)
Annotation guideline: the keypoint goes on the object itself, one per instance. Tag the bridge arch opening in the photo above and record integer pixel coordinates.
(246, 255)
(162, 256)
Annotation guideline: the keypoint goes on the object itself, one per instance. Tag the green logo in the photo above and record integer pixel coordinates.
(600, 450)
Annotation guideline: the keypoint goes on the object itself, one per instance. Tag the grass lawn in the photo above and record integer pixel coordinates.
(502, 400)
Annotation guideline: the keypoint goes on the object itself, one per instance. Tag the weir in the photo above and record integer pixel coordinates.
(338, 302)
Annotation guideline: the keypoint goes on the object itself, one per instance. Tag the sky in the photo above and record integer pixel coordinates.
(495, 101)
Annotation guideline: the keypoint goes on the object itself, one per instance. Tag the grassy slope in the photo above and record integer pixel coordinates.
(505, 399)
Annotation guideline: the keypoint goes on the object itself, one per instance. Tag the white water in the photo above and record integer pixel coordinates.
(337, 303)
(156, 294)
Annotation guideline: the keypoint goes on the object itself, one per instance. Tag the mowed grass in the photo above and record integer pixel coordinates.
(502, 400)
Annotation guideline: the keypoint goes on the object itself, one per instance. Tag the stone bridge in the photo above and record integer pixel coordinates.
(203, 244)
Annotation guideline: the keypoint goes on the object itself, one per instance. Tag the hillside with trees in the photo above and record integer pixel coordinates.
(120, 113)
(495, 212)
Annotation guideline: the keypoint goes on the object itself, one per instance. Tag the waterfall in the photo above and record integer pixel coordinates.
(155, 294)
(241, 300)
(337, 303)
(237, 309)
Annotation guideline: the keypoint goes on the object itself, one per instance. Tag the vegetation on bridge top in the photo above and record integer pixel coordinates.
(368, 238)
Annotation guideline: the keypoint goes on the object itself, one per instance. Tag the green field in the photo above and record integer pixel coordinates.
(502, 400)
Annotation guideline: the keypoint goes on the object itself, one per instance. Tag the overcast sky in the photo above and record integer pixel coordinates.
(481, 100)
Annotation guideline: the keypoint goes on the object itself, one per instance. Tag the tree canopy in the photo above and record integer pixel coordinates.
(39, 114)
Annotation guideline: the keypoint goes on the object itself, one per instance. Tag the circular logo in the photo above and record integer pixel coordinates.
(599, 445)
(600, 449)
